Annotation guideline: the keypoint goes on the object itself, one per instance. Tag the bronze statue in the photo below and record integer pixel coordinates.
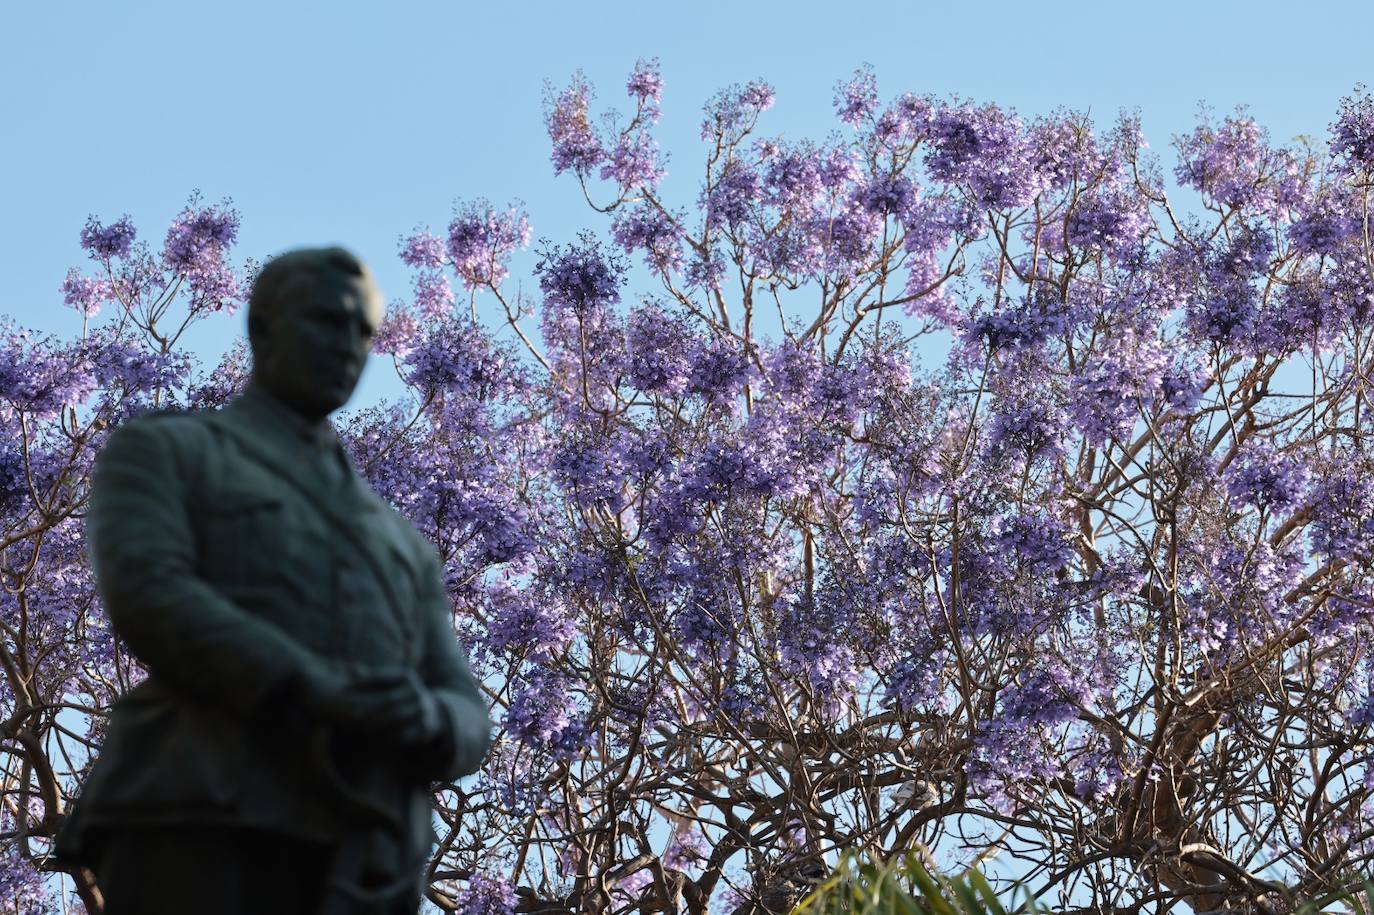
(305, 685)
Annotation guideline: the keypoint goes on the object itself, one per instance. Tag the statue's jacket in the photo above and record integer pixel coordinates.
(229, 565)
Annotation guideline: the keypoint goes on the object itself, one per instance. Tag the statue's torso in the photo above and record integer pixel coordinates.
(331, 565)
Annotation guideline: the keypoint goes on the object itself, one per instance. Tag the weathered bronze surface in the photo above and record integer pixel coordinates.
(305, 680)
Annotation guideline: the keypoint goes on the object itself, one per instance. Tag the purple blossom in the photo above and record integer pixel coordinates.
(24, 888)
(433, 295)
(543, 714)
(660, 350)
(984, 148)
(839, 167)
(1181, 385)
(1342, 512)
(398, 332)
(645, 84)
(199, 236)
(810, 650)
(1105, 399)
(1265, 478)
(1301, 316)
(1062, 149)
(732, 112)
(527, 621)
(731, 198)
(1226, 162)
(633, 161)
(914, 682)
(1031, 322)
(887, 195)
(196, 247)
(686, 848)
(486, 894)
(856, 100)
(591, 472)
(480, 242)
(422, 249)
(905, 121)
(719, 370)
(1028, 424)
(792, 178)
(647, 228)
(13, 484)
(1352, 133)
(706, 272)
(1107, 220)
(85, 294)
(1321, 232)
(107, 242)
(1227, 315)
(580, 278)
(461, 360)
(41, 376)
(568, 121)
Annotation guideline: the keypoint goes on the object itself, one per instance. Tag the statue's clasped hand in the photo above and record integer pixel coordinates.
(392, 705)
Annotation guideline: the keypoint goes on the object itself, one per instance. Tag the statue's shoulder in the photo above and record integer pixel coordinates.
(170, 420)
(416, 544)
(175, 429)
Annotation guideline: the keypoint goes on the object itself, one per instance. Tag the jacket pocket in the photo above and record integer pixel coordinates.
(240, 532)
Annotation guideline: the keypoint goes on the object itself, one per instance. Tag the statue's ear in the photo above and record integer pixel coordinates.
(258, 330)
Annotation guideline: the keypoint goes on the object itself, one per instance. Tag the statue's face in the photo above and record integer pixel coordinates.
(311, 353)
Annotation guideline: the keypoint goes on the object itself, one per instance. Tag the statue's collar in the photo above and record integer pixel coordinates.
(283, 422)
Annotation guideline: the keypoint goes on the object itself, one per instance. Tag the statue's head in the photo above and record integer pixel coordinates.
(311, 317)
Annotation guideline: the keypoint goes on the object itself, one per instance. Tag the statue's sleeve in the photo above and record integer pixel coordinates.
(445, 671)
(142, 548)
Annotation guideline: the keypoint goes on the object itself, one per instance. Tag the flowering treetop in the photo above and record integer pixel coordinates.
(750, 578)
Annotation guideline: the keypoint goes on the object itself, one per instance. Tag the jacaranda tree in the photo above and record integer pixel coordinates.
(962, 483)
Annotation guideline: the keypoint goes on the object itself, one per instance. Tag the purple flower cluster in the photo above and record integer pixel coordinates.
(887, 195)
(480, 242)
(986, 149)
(41, 376)
(856, 100)
(1352, 134)
(463, 361)
(1343, 511)
(196, 247)
(580, 278)
(659, 352)
(543, 714)
(85, 294)
(108, 242)
(733, 112)
(1228, 162)
(686, 848)
(729, 201)
(646, 228)
(486, 894)
(527, 622)
(645, 84)
(633, 161)
(24, 889)
(567, 118)
(422, 249)
(1029, 323)
(1028, 423)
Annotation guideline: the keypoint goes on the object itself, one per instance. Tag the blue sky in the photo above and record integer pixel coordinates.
(353, 122)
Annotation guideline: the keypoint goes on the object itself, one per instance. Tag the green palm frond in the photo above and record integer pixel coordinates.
(863, 884)
(867, 884)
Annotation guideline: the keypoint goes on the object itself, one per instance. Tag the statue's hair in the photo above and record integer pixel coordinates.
(302, 271)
